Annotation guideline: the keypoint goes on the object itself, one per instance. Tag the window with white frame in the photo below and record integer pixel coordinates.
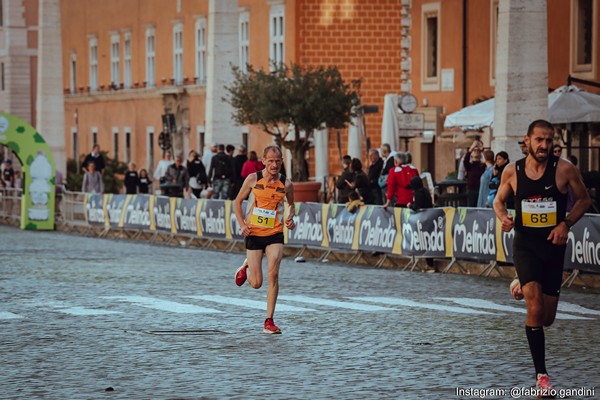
(244, 39)
(73, 72)
(150, 55)
(94, 136)
(200, 134)
(93, 64)
(115, 60)
(178, 53)
(201, 51)
(494, 12)
(74, 144)
(150, 148)
(277, 34)
(127, 145)
(116, 143)
(127, 59)
(431, 46)
(584, 36)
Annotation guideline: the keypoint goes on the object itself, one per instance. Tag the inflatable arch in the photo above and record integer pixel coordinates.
(39, 172)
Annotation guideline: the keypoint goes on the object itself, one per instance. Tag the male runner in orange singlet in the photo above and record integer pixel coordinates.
(262, 226)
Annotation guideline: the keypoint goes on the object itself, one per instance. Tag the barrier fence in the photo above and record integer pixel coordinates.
(454, 233)
(10, 205)
(451, 233)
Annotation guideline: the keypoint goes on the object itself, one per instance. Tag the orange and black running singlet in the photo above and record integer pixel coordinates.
(264, 212)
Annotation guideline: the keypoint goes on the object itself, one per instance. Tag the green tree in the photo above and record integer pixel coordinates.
(112, 176)
(305, 98)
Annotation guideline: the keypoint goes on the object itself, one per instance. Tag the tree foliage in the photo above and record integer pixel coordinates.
(291, 102)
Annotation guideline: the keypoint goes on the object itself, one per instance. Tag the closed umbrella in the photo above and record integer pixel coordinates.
(355, 138)
(389, 125)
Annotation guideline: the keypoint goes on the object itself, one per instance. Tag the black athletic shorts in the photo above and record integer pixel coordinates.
(261, 242)
(538, 260)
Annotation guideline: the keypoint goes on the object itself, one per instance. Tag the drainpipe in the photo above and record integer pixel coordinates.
(464, 53)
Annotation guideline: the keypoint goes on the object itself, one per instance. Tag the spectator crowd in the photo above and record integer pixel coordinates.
(218, 174)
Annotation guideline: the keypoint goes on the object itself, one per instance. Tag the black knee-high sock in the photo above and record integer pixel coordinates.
(537, 345)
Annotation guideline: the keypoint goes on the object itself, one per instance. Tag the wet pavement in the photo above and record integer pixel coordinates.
(80, 315)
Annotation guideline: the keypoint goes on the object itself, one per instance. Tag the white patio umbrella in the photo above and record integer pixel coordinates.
(567, 104)
(472, 117)
(389, 125)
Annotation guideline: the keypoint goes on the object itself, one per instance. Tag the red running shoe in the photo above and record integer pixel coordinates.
(515, 289)
(270, 326)
(544, 388)
(241, 273)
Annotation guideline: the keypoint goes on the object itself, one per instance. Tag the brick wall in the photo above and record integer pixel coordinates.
(363, 40)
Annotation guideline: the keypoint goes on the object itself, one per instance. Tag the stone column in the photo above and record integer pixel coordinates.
(521, 72)
(50, 99)
(16, 99)
(223, 18)
(321, 140)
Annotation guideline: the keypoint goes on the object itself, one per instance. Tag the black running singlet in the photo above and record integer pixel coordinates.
(539, 205)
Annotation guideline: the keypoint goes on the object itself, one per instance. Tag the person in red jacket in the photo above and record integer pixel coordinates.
(252, 165)
(398, 181)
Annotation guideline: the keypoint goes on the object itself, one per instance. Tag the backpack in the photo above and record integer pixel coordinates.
(223, 167)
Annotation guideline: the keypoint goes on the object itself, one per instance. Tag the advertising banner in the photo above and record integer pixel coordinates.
(212, 218)
(233, 228)
(583, 245)
(474, 234)
(427, 232)
(94, 209)
(376, 230)
(504, 252)
(309, 225)
(138, 212)
(464, 233)
(186, 213)
(340, 227)
(115, 209)
(161, 214)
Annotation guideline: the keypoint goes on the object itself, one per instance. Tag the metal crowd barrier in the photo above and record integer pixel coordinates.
(10, 205)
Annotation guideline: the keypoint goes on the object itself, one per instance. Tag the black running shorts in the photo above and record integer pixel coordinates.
(261, 242)
(538, 260)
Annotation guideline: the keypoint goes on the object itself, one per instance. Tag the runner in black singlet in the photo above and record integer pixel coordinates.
(540, 183)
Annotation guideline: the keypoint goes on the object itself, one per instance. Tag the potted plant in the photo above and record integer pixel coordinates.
(291, 102)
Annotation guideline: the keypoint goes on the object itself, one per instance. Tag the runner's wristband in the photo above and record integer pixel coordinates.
(568, 223)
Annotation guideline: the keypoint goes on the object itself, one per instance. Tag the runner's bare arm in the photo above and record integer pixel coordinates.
(504, 191)
(582, 198)
(560, 233)
(289, 195)
(247, 186)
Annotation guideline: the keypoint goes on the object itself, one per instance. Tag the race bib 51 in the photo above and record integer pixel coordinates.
(539, 214)
(263, 218)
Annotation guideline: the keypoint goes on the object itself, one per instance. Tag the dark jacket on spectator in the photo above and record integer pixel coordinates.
(342, 186)
(131, 182)
(422, 197)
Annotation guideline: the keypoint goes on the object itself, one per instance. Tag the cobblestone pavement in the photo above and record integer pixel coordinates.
(80, 315)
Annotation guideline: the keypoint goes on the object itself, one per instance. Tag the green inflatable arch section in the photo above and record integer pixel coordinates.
(37, 201)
